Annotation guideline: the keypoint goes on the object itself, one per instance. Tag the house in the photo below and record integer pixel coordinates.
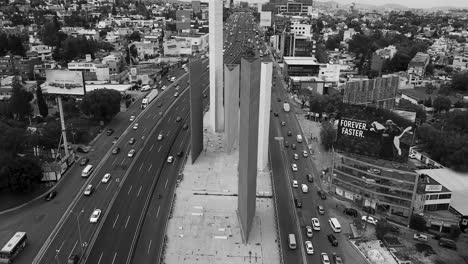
(418, 64)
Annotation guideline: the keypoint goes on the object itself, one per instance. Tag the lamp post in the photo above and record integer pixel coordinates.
(56, 256)
(79, 229)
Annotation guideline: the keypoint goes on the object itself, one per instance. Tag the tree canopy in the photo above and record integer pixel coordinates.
(20, 100)
(102, 104)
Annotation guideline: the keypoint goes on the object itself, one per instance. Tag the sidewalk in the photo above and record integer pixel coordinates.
(204, 227)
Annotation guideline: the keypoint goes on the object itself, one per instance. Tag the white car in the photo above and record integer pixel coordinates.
(315, 224)
(305, 154)
(295, 184)
(106, 178)
(324, 257)
(176, 94)
(369, 219)
(135, 127)
(160, 137)
(177, 87)
(412, 156)
(295, 156)
(170, 159)
(173, 79)
(88, 190)
(131, 153)
(164, 87)
(309, 247)
(132, 118)
(420, 237)
(305, 188)
(309, 231)
(95, 216)
(294, 166)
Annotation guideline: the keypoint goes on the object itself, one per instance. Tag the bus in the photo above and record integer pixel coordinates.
(13, 247)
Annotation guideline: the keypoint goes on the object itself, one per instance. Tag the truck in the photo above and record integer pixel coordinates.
(149, 98)
(286, 107)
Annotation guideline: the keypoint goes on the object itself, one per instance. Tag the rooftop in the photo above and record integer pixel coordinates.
(300, 60)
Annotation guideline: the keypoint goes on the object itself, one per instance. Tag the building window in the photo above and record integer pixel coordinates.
(445, 196)
(433, 197)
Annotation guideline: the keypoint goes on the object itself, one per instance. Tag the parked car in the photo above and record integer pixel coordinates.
(170, 159)
(115, 140)
(294, 167)
(84, 161)
(160, 137)
(132, 118)
(337, 259)
(304, 188)
(447, 243)
(369, 219)
(83, 149)
(283, 123)
(310, 178)
(332, 240)
(289, 133)
(131, 141)
(109, 131)
(51, 195)
(295, 184)
(351, 212)
(325, 259)
(322, 195)
(293, 146)
(305, 154)
(286, 144)
(135, 127)
(420, 237)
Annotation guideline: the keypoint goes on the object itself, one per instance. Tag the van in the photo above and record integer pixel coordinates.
(87, 171)
(145, 88)
(292, 241)
(299, 138)
(335, 225)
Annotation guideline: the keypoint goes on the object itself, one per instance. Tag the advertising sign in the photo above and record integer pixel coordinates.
(381, 135)
(265, 19)
(64, 82)
(433, 188)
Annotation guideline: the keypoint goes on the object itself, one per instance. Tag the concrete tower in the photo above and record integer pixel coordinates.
(264, 114)
(231, 105)
(216, 65)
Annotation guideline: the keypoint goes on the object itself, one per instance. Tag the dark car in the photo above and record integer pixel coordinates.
(83, 149)
(351, 212)
(185, 127)
(73, 259)
(278, 99)
(298, 203)
(51, 195)
(447, 243)
(289, 133)
(109, 131)
(337, 259)
(332, 240)
(159, 104)
(322, 195)
(116, 150)
(310, 178)
(84, 161)
(293, 146)
(286, 144)
(395, 230)
(180, 153)
(276, 114)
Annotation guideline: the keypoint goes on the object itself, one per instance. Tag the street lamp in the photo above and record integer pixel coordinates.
(56, 256)
(79, 229)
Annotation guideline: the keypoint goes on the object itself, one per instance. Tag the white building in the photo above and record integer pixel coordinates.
(185, 45)
(101, 70)
(43, 51)
(330, 72)
(348, 34)
(301, 29)
(145, 48)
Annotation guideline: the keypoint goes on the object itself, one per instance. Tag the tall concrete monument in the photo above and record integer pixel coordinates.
(216, 65)
(231, 105)
(248, 143)
(196, 108)
(264, 112)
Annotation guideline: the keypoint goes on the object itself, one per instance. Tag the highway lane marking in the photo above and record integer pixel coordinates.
(139, 190)
(100, 257)
(144, 129)
(117, 218)
(151, 165)
(60, 248)
(151, 148)
(115, 255)
(123, 160)
(126, 223)
(114, 161)
(130, 189)
(165, 186)
(140, 167)
(149, 246)
(73, 249)
(159, 207)
(159, 149)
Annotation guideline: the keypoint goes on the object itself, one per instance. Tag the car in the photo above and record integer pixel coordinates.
(283, 123)
(395, 230)
(448, 243)
(289, 133)
(173, 79)
(83, 149)
(325, 259)
(286, 144)
(337, 259)
(159, 104)
(298, 202)
(88, 190)
(305, 154)
(115, 140)
(131, 153)
(305, 188)
(116, 150)
(351, 212)
(95, 216)
(185, 127)
(275, 114)
(164, 87)
(295, 184)
(309, 248)
(310, 178)
(412, 156)
(315, 224)
(177, 87)
(51, 195)
(374, 171)
(132, 118)
(73, 259)
(205, 95)
(369, 219)
(420, 237)
(293, 146)
(109, 131)
(322, 195)
(131, 141)
(295, 156)
(176, 94)
(170, 159)
(178, 119)
(84, 161)
(309, 231)
(180, 154)
(106, 178)
(160, 137)
(332, 240)
(294, 167)
(321, 209)
(135, 127)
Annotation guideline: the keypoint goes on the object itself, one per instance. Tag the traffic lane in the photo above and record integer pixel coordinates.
(101, 241)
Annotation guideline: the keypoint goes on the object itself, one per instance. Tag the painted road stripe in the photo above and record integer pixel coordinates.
(151, 147)
(159, 149)
(73, 249)
(140, 167)
(139, 190)
(126, 223)
(165, 185)
(115, 255)
(151, 165)
(149, 246)
(115, 221)
(159, 207)
(100, 257)
(130, 189)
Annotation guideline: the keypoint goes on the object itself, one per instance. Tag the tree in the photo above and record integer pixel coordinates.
(327, 135)
(20, 100)
(135, 36)
(430, 88)
(48, 33)
(114, 12)
(442, 103)
(321, 54)
(12, 139)
(23, 173)
(460, 81)
(428, 102)
(333, 43)
(382, 228)
(418, 223)
(102, 104)
(43, 109)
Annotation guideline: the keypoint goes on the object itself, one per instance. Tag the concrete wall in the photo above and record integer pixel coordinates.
(216, 65)
(231, 105)
(264, 114)
(196, 108)
(248, 143)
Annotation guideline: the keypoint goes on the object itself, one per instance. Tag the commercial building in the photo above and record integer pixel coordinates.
(185, 44)
(11, 65)
(378, 92)
(418, 64)
(144, 49)
(92, 71)
(296, 45)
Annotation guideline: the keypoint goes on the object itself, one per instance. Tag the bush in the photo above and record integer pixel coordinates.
(418, 223)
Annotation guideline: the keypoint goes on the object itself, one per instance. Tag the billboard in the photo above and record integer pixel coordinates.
(373, 132)
(64, 82)
(433, 188)
(265, 19)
